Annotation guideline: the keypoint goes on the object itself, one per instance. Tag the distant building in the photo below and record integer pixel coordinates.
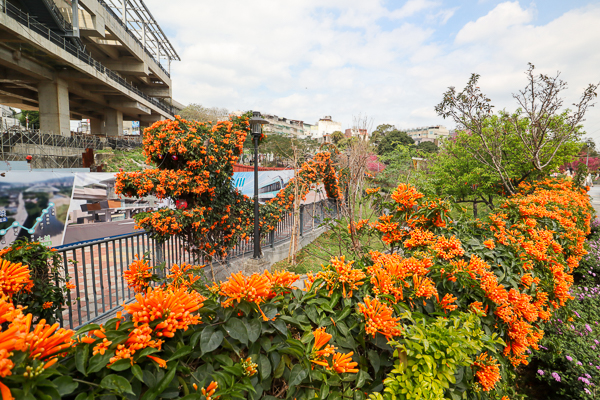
(283, 126)
(326, 126)
(428, 134)
(355, 132)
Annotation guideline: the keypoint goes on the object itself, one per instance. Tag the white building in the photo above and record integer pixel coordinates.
(428, 134)
(326, 127)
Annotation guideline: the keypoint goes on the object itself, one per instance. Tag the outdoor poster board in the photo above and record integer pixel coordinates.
(61, 208)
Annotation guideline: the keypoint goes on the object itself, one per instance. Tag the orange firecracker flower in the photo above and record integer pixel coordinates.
(342, 363)
(138, 274)
(210, 390)
(254, 289)
(161, 363)
(13, 277)
(47, 305)
(101, 347)
(173, 308)
(341, 274)
(447, 301)
(488, 372)
(489, 244)
(379, 318)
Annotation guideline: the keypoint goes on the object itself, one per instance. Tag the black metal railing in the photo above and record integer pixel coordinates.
(96, 267)
(31, 23)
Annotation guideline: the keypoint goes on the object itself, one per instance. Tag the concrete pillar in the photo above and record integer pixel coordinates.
(113, 120)
(97, 126)
(54, 107)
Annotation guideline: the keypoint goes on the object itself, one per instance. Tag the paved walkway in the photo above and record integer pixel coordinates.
(595, 198)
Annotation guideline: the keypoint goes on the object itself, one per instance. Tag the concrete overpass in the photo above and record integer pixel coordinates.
(106, 61)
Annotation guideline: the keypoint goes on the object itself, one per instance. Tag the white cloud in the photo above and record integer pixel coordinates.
(495, 23)
(303, 59)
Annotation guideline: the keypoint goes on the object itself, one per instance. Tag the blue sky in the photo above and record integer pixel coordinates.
(387, 60)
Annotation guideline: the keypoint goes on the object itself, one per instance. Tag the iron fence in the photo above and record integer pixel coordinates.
(97, 267)
(63, 42)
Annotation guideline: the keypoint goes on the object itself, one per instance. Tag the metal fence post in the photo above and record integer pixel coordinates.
(301, 219)
(272, 238)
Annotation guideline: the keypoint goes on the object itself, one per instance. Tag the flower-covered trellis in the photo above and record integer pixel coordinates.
(194, 167)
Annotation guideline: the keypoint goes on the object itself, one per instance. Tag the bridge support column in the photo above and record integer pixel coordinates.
(54, 107)
(97, 126)
(113, 120)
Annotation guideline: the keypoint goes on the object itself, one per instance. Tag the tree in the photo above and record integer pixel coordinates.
(391, 139)
(32, 116)
(453, 172)
(538, 130)
(380, 132)
(337, 136)
(427, 147)
(197, 112)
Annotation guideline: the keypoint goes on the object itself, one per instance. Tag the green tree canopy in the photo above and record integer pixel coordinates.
(515, 146)
(33, 116)
(391, 139)
(428, 147)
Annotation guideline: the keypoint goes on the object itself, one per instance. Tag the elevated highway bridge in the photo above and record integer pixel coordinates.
(103, 60)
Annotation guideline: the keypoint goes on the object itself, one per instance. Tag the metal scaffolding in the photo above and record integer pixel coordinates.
(55, 151)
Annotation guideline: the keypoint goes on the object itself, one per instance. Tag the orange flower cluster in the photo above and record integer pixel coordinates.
(340, 274)
(390, 275)
(181, 277)
(44, 342)
(138, 275)
(378, 317)
(521, 228)
(253, 289)
(173, 308)
(209, 391)
(406, 196)
(488, 372)
(14, 277)
(340, 363)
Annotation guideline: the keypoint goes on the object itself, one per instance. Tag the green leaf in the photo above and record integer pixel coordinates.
(362, 378)
(137, 372)
(184, 351)
(164, 383)
(147, 351)
(210, 339)
(65, 385)
(279, 325)
(297, 375)
(98, 362)
(374, 359)
(82, 355)
(278, 373)
(116, 383)
(237, 330)
(86, 329)
(121, 365)
(264, 366)
(311, 312)
(195, 337)
(254, 328)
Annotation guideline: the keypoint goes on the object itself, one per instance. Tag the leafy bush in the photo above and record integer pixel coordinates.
(45, 291)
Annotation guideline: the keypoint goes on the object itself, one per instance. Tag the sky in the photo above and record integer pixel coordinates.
(385, 61)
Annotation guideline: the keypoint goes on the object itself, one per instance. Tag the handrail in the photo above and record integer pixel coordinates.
(124, 25)
(25, 19)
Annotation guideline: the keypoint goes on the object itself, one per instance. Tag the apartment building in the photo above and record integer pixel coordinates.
(428, 134)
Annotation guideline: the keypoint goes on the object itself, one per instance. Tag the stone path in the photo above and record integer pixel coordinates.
(595, 198)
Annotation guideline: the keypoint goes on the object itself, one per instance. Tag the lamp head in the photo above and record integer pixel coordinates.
(255, 123)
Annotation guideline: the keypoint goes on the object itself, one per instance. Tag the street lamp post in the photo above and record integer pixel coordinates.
(256, 123)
